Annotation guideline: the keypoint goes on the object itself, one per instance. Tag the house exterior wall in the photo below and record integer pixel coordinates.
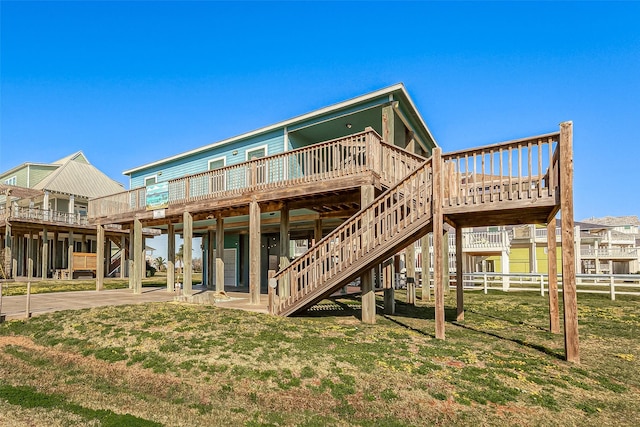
(21, 177)
(199, 162)
(39, 172)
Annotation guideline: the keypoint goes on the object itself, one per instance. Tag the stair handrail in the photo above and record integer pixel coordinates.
(320, 252)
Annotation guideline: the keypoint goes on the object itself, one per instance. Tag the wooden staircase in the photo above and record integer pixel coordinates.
(397, 218)
(515, 182)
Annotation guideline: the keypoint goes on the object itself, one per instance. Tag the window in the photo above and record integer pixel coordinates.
(150, 180)
(217, 182)
(257, 153)
(12, 181)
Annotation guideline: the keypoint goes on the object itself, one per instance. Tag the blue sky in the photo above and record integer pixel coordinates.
(130, 83)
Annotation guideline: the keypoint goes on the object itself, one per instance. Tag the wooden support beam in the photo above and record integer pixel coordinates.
(388, 124)
(123, 255)
(45, 253)
(366, 280)
(426, 269)
(8, 247)
(569, 296)
(438, 245)
(219, 254)
(70, 255)
(410, 274)
(285, 255)
(209, 260)
(187, 254)
(132, 257)
(317, 231)
(459, 277)
(171, 257)
(138, 259)
(29, 256)
(254, 253)
(100, 256)
(445, 261)
(554, 317)
(389, 291)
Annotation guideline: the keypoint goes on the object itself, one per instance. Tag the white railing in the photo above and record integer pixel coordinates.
(610, 284)
(609, 252)
(44, 215)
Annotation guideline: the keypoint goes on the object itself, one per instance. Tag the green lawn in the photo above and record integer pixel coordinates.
(50, 285)
(171, 364)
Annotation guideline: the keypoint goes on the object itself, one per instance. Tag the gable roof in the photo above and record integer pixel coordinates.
(78, 177)
(397, 90)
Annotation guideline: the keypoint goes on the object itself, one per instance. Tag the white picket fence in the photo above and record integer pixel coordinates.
(611, 284)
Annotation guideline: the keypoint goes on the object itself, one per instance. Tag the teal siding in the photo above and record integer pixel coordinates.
(199, 162)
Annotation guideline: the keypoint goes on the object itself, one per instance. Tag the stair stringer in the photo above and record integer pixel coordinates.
(395, 219)
(382, 252)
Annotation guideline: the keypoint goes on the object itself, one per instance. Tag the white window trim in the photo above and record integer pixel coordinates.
(224, 162)
(12, 181)
(144, 181)
(249, 150)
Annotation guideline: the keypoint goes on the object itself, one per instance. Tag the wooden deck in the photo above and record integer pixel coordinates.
(325, 177)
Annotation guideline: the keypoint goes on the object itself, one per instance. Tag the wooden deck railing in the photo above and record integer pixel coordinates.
(43, 215)
(384, 222)
(516, 170)
(342, 157)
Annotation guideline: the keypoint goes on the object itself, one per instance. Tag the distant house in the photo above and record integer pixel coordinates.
(43, 215)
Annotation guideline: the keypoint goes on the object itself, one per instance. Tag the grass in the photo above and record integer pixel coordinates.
(171, 364)
(39, 286)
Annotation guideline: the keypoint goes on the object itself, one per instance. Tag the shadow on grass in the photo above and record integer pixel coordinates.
(518, 341)
(514, 322)
(340, 308)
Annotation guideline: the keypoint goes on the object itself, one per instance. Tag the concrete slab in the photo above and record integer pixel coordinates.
(14, 307)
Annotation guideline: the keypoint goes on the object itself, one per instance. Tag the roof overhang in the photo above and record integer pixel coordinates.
(396, 92)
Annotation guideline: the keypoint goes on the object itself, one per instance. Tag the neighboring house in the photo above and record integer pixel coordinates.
(43, 215)
(606, 246)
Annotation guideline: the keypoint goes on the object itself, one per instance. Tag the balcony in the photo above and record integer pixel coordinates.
(609, 253)
(43, 216)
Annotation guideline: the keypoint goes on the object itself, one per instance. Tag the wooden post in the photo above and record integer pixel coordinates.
(445, 261)
(219, 253)
(552, 262)
(410, 274)
(138, 260)
(569, 296)
(100, 257)
(367, 195)
(317, 231)
(255, 243)
(27, 311)
(426, 269)
(210, 260)
(123, 257)
(70, 255)
(131, 264)
(54, 251)
(30, 256)
(187, 254)
(45, 253)
(459, 277)
(285, 249)
(389, 291)
(388, 124)
(9, 272)
(272, 293)
(171, 257)
(438, 245)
